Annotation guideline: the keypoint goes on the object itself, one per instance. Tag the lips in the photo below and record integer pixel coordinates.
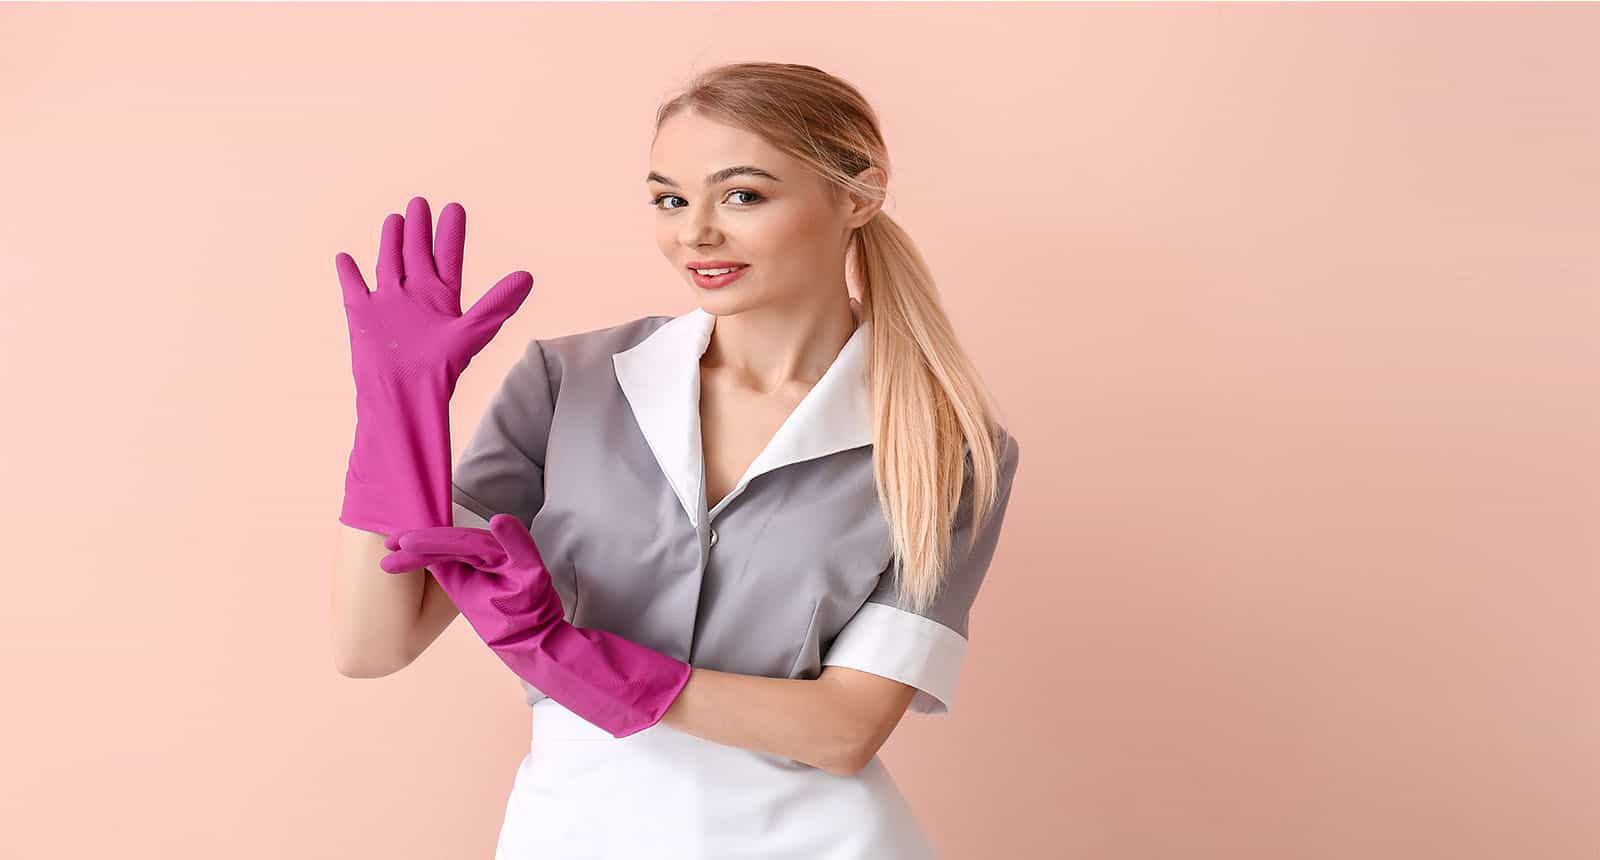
(715, 281)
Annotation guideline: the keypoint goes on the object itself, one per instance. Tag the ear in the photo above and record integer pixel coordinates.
(860, 209)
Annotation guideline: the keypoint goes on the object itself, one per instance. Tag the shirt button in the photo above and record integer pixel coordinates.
(713, 537)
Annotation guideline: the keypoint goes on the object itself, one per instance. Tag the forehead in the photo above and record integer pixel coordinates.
(690, 145)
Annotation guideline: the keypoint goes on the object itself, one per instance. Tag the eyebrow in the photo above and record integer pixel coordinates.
(721, 175)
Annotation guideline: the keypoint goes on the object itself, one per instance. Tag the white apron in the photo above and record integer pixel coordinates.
(664, 794)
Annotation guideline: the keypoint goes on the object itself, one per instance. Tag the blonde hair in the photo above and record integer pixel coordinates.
(931, 411)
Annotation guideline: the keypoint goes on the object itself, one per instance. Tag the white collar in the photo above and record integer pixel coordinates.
(660, 377)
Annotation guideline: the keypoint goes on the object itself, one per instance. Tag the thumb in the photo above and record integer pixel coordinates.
(516, 540)
(483, 320)
(351, 284)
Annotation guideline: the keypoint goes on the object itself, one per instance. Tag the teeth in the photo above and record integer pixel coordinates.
(716, 271)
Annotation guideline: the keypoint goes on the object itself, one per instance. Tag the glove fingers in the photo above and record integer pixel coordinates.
(450, 244)
(448, 539)
(418, 245)
(403, 560)
(406, 559)
(351, 284)
(391, 268)
(489, 560)
(484, 319)
(516, 540)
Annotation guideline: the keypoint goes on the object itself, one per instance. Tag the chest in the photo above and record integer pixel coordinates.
(759, 587)
(735, 426)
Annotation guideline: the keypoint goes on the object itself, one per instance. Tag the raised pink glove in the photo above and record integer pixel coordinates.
(499, 582)
(409, 343)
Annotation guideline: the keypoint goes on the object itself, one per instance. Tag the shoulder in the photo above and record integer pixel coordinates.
(596, 345)
(1007, 453)
(1010, 452)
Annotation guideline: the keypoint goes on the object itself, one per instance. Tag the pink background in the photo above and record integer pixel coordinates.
(1294, 308)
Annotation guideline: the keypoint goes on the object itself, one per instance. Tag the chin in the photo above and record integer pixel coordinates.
(722, 304)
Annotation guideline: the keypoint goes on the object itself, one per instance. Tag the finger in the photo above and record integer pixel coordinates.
(419, 241)
(481, 547)
(405, 559)
(516, 540)
(505, 525)
(405, 536)
(402, 561)
(448, 544)
(351, 284)
(391, 268)
(450, 245)
(483, 321)
(392, 541)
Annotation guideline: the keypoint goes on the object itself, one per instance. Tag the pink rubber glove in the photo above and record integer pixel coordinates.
(499, 582)
(409, 343)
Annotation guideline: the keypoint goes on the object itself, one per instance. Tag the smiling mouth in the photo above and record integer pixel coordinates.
(712, 282)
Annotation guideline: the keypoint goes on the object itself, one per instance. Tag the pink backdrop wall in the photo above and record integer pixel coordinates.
(1294, 308)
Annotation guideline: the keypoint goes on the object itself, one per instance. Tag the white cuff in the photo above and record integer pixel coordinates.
(904, 647)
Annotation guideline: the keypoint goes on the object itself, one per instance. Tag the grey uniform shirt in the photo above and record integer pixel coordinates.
(593, 442)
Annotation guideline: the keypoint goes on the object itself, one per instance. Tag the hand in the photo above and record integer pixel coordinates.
(414, 321)
(613, 682)
(409, 343)
(508, 572)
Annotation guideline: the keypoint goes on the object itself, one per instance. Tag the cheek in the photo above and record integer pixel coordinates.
(783, 237)
(667, 241)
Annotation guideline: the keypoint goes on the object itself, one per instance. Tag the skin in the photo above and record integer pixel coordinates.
(778, 328)
(781, 324)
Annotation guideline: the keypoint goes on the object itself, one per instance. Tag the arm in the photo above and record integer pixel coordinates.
(836, 722)
(432, 619)
(501, 469)
(887, 659)
(398, 472)
(378, 626)
(372, 612)
(382, 622)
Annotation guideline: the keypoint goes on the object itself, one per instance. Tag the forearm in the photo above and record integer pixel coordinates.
(796, 718)
(398, 477)
(372, 611)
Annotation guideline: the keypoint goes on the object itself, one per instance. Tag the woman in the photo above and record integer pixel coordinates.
(746, 538)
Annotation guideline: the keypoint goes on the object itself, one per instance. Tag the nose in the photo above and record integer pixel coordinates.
(699, 228)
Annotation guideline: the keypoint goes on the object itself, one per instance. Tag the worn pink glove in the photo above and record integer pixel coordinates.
(499, 582)
(409, 343)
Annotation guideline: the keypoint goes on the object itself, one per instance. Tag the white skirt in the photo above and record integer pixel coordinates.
(665, 794)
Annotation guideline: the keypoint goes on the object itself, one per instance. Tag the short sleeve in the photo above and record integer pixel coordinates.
(926, 649)
(501, 470)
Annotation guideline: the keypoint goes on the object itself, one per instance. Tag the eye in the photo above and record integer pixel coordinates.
(656, 201)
